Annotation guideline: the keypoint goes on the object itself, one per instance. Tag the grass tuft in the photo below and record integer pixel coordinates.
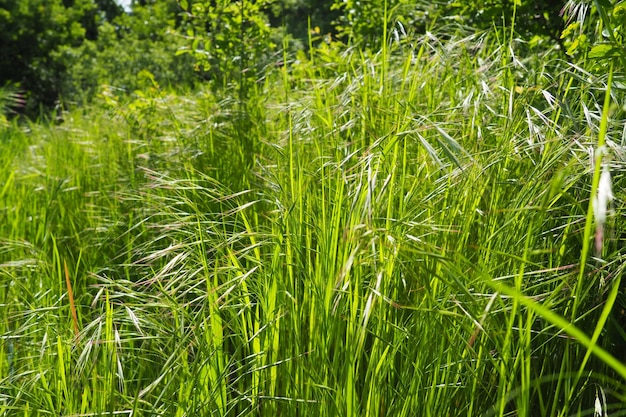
(401, 233)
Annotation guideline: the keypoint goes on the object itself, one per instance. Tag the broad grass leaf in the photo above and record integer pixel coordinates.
(604, 51)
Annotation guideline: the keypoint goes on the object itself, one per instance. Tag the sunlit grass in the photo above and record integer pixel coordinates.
(402, 233)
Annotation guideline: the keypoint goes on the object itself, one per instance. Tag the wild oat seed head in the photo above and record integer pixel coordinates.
(604, 197)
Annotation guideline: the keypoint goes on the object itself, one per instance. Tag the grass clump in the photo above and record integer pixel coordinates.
(401, 233)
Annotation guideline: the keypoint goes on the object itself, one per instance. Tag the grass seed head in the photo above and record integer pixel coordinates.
(604, 197)
(602, 205)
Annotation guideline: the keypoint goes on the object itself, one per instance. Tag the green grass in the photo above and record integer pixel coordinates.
(406, 233)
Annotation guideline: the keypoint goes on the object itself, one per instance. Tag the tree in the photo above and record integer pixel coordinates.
(31, 34)
(230, 40)
(362, 21)
(144, 40)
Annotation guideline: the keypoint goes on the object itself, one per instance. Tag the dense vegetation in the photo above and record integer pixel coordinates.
(400, 210)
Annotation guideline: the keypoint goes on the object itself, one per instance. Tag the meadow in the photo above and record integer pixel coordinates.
(429, 230)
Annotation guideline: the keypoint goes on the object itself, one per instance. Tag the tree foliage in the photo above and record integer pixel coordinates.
(69, 48)
(66, 49)
(362, 21)
(532, 18)
(32, 32)
(230, 41)
(299, 16)
(145, 40)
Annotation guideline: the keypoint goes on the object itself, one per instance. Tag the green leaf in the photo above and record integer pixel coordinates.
(570, 29)
(574, 46)
(183, 50)
(604, 51)
(619, 11)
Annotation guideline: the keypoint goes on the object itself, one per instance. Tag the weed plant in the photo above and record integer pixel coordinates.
(407, 233)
